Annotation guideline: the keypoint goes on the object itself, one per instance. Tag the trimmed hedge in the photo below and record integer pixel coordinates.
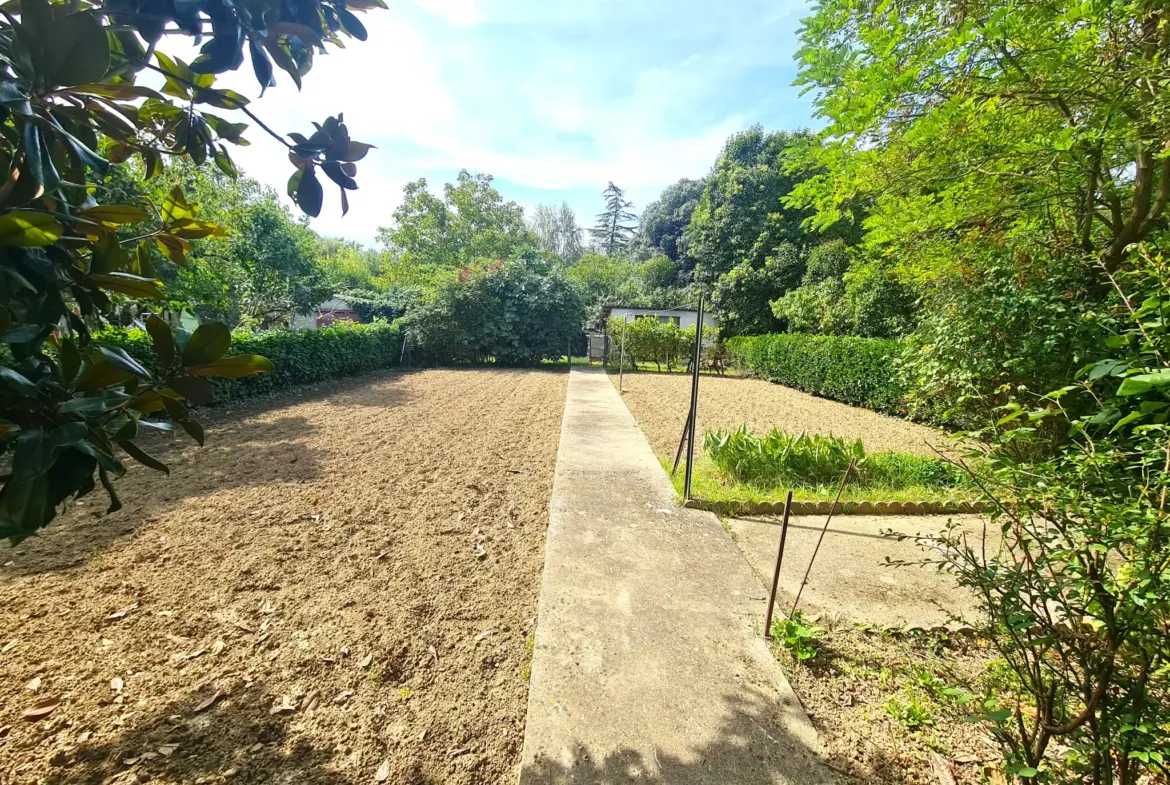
(857, 371)
(298, 356)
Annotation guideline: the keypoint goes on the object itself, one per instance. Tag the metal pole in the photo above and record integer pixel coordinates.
(776, 572)
(682, 441)
(824, 529)
(694, 402)
(622, 359)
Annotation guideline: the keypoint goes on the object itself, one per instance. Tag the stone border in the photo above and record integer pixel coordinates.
(842, 508)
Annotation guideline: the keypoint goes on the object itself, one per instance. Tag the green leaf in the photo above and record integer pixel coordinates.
(194, 430)
(99, 373)
(26, 228)
(105, 401)
(120, 358)
(196, 391)
(131, 285)
(309, 193)
(164, 341)
(115, 214)
(356, 151)
(207, 344)
(17, 382)
(352, 24)
(73, 50)
(138, 454)
(175, 207)
(174, 248)
(233, 367)
(1144, 382)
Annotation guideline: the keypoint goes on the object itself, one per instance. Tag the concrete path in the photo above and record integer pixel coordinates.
(851, 582)
(649, 665)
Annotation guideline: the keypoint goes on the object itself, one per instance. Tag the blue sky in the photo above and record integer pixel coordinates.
(552, 97)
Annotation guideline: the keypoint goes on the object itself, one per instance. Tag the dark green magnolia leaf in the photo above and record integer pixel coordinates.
(27, 228)
(194, 430)
(16, 382)
(115, 214)
(120, 358)
(309, 193)
(98, 373)
(14, 99)
(261, 66)
(164, 342)
(233, 367)
(107, 256)
(207, 344)
(23, 333)
(130, 285)
(334, 172)
(174, 248)
(128, 431)
(71, 50)
(121, 91)
(352, 24)
(140, 455)
(68, 360)
(197, 392)
(354, 151)
(38, 160)
(175, 207)
(105, 401)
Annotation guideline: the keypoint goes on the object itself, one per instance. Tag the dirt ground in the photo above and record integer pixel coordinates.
(340, 588)
(659, 403)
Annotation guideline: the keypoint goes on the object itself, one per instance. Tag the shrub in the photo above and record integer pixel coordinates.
(779, 458)
(647, 339)
(513, 313)
(297, 356)
(797, 635)
(851, 370)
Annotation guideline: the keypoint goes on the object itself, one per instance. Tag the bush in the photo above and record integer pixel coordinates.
(648, 340)
(513, 313)
(851, 370)
(297, 356)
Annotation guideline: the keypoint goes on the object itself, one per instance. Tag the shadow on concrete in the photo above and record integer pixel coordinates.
(752, 746)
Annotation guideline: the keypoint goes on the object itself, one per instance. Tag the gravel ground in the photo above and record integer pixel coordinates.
(340, 588)
(659, 403)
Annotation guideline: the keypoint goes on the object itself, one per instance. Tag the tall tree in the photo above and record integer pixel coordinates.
(741, 216)
(664, 223)
(471, 222)
(614, 228)
(557, 231)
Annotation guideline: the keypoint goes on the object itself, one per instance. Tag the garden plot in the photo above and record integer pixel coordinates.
(340, 588)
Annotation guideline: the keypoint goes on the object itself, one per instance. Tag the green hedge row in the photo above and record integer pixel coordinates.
(298, 356)
(858, 371)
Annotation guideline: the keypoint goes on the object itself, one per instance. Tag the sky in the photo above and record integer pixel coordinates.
(554, 98)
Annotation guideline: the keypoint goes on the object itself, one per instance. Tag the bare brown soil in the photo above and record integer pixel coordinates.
(339, 588)
(659, 403)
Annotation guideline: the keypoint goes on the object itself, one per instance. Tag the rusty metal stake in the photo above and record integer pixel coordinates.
(776, 572)
(825, 528)
(681, 443)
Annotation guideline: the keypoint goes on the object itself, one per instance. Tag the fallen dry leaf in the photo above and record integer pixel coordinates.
(284, 707)
(207, 703)
(367, 660)
(122, 613)
(34, 684)
(383, 772)
(942, 769)
(309, 701)
(484, 634)
(42, 708)
(8, 646)
(167, 750)
(116, 684)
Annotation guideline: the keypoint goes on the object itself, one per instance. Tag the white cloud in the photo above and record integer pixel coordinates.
(461, 13)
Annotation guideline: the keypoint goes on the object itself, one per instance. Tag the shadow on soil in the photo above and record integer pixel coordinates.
(238, 733)
(752, 747)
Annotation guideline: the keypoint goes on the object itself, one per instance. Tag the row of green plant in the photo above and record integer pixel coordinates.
(297, 356)
(646, 339)
(782, 459)
(857, 371)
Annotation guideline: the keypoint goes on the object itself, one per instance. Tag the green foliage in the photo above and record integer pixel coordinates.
(851, 370)
(911, 711)
(472, 222)
(71, 256)
(797, 635)
(781, 459)
(664, 223)
(557, 231)
(658, 272)
(1076, 596)
(614, 228)
(297, 356)
(742, 297)
(513, 313)
(740, 217)
(647, 339)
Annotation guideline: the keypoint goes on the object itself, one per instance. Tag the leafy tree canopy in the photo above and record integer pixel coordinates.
(665, 220)
(471, 221)
(557, 231)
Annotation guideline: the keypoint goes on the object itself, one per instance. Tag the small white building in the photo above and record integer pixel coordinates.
(325, 314)
(681, 317)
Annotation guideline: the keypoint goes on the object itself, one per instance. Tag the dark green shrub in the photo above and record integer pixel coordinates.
(297, 356)
(858, 371)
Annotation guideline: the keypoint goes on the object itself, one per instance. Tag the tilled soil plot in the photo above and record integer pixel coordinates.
(339, 588)
(659, 403)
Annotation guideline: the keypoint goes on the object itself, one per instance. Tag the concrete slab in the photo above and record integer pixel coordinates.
(851, 581)
(649, 665)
